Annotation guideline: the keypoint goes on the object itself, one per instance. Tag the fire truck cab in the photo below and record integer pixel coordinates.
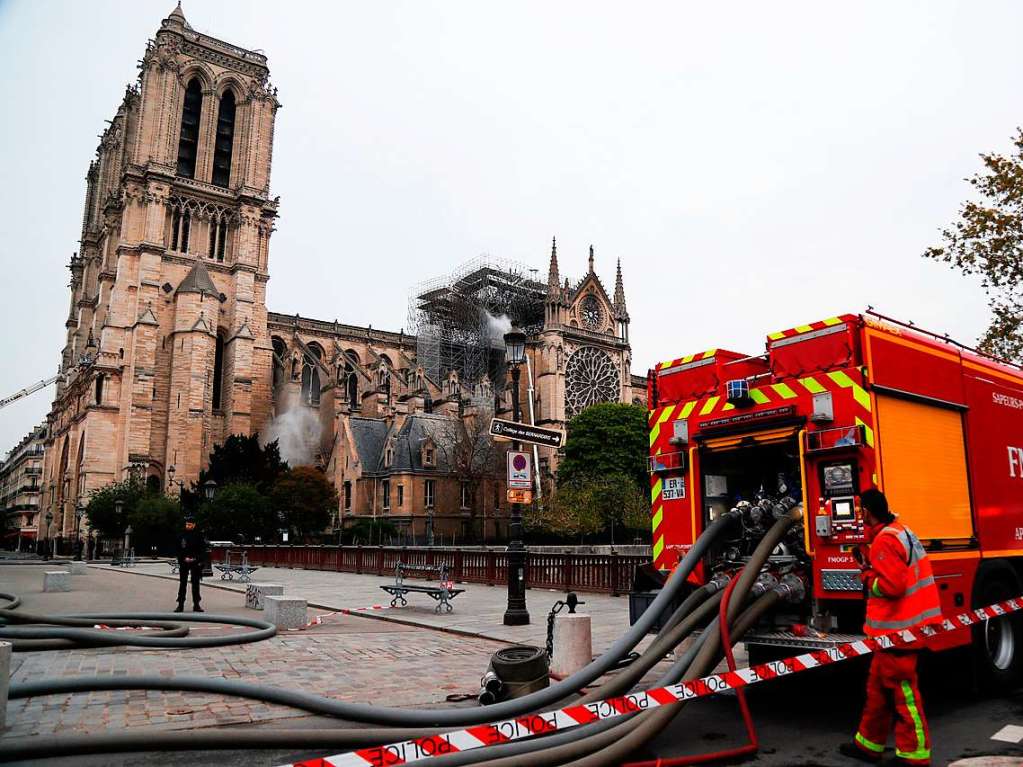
(833, 408)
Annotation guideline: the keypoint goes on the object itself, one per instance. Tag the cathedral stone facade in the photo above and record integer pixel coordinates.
(170, 347)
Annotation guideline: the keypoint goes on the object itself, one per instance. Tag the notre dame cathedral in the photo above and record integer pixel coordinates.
(170, 347)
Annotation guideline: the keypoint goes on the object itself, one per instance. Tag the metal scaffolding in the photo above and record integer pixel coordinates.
(460, 319)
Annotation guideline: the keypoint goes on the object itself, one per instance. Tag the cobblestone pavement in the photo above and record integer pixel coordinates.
(348, 658)
(478, 612)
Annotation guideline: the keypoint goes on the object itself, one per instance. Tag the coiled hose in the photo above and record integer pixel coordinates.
(408, 721)
(359, 712)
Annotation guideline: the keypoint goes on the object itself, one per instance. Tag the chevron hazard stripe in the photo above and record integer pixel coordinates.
(535, 724)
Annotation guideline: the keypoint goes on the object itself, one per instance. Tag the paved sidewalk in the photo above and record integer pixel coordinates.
(349, 658)
(478, 612)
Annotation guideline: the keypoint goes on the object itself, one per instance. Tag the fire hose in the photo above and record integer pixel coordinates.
(349, 738)
(612, 741)
(406, 721)
(559, 747)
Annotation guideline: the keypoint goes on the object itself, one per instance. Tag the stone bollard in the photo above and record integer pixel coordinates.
(285, 612)
(255, 593)
(77, 568)
(573, 644)
(56, 580)
(5, 681)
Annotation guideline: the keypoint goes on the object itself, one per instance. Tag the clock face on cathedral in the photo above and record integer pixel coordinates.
(592, 314)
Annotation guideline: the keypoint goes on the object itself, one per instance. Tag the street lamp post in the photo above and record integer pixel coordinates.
(171, 481)
(79, 513)
(516, 613)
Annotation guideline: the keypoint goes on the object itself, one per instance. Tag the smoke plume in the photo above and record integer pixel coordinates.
(297, 431)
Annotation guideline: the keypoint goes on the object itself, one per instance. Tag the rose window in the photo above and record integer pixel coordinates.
(591, 377)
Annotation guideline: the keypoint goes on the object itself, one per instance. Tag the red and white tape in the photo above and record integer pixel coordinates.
(573, 716)
(318, 619)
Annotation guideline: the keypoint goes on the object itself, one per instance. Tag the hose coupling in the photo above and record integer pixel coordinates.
(792, 588)
(764, 583)
(718, 582)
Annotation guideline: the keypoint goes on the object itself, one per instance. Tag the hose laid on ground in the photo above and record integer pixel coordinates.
(68, 631)
(14, 600)
(613, 745)
(599, 738)
(329, 738)
(359, 712)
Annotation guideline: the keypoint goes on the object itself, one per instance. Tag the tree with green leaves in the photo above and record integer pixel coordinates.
(153, 517)
(239, 512)
(605, 440)
(239, 460)
(987, 241)
(602, 481)
(307, 499)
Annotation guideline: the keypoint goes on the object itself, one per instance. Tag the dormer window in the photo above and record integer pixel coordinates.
(388, 457)
(429, 454)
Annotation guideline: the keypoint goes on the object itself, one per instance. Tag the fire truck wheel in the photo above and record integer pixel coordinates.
(998, 643)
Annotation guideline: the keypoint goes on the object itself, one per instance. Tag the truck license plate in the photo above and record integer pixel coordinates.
(674, 488)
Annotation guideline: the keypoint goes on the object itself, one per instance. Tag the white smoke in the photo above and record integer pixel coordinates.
(497, 326)
(297, 431)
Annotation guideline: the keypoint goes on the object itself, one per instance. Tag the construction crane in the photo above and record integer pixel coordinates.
(27, 390)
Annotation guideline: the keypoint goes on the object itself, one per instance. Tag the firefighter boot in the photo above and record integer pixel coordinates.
(855, 752)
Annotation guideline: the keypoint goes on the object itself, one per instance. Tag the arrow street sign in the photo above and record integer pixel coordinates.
(523, 432)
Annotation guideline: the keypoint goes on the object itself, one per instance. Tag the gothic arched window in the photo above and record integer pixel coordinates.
(280, 351)
(351, 379)
(189, 140)
(218, 237)
(225, 140)
(80, 468)
(311, 376)
(218, 371)
(181, 225)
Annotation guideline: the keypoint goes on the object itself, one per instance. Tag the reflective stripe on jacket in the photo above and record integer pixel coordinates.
(902, 593)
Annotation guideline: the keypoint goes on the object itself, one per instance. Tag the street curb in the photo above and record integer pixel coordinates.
(319, 606)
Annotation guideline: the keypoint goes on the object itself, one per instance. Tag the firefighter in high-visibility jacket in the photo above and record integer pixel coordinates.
(901, 594)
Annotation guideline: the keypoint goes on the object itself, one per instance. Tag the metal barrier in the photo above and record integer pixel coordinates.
(604, 573)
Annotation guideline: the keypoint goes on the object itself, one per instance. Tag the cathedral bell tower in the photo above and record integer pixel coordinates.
(170, 281)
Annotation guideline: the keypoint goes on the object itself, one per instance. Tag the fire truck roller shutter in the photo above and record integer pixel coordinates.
(923, 467)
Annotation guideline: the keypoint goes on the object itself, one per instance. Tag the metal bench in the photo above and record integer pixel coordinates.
(121, 559)
(442, 593)
(229, 569)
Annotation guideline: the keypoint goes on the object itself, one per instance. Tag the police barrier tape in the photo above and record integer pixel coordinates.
(573, 716)
(318, 619)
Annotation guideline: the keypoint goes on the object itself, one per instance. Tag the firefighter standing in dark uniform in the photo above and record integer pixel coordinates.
(191, 555)
(901, 594)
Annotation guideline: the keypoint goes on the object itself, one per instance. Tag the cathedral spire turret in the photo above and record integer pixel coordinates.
(177, 16)
(553, 279)
(619, 302)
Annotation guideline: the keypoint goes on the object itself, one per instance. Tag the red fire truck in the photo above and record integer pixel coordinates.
(831, 409)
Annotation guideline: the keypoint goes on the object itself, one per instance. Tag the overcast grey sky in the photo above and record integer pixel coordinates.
(754, 165)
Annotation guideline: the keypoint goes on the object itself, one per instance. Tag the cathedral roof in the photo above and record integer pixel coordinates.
(198, 280)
